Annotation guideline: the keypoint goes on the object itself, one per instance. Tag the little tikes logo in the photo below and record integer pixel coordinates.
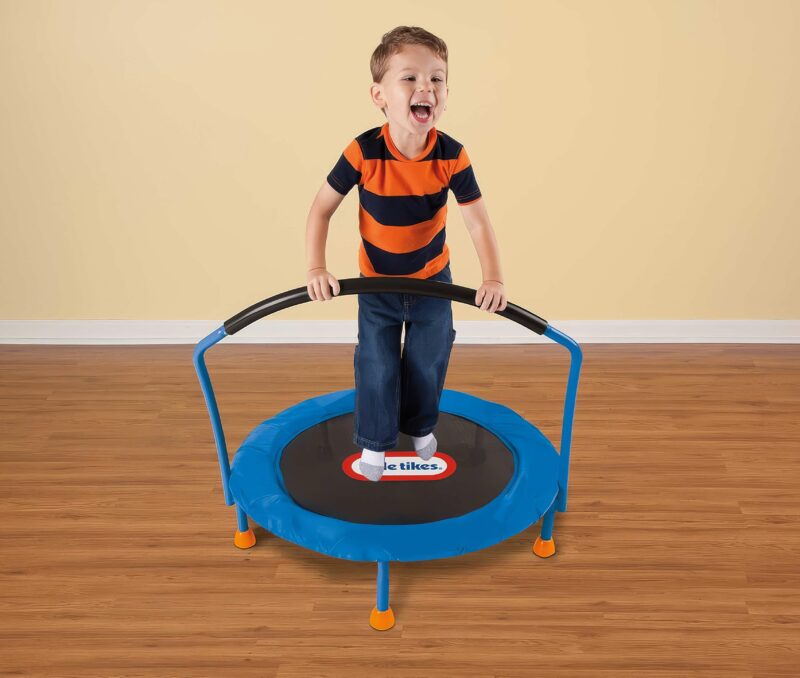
(405, 466)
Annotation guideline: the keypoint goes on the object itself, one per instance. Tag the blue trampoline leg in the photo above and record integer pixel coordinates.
(544, 546)
(383, 587)
(244, 537)
(382, 617)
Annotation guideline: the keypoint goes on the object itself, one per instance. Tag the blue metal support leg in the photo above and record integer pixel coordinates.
(383, 587)
(244, 537)
(382, 617)
(544, 546)
(241, 519)
(547, 524)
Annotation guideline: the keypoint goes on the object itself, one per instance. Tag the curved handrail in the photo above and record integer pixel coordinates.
(373, 285)
(428, 288)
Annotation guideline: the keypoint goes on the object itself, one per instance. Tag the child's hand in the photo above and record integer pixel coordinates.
(319, 283)
(491, 296)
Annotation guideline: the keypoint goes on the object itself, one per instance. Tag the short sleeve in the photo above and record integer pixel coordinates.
(347, 171)
(462, 182)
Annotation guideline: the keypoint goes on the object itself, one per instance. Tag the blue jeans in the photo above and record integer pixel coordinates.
(394, 392)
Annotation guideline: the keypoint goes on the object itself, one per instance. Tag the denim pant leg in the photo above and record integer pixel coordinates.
(376, 363)
(426, 355)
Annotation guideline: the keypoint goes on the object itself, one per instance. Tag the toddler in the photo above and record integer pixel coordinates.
(403, 170)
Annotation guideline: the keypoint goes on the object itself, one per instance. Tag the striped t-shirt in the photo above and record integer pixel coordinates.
(403, 202)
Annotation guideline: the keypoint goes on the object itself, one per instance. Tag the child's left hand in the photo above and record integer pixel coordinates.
(491, 296)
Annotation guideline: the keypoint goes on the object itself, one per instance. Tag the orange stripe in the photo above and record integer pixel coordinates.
(431, 268)
(400, 239)
(462, 162)
(393, 178)
(354, 155)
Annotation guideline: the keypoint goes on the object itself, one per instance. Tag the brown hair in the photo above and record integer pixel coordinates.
(393, 41)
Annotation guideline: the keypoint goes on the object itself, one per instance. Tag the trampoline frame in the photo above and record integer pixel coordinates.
(382, 617)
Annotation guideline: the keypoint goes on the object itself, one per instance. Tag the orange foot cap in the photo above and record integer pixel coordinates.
(381, 621)
(244, 540)
(544, 548)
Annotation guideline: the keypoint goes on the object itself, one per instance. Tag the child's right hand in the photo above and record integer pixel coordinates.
(319, 283)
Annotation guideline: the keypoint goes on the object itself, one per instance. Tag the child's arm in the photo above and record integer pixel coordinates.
(318, 279)
(491, 295)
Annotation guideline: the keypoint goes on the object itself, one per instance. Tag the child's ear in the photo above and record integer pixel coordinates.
(376, 94)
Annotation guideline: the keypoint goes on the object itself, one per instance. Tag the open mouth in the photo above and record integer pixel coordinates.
(422, 112)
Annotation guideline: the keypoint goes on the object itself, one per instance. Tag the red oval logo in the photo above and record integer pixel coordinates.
(405, 466)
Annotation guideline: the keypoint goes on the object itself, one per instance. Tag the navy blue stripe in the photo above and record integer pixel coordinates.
(388, 263)
(402, 210)
(464, 185)
(343, 176)
(446, 147)
(374, 147)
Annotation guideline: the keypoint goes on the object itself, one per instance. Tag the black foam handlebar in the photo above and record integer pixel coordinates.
(373, 285)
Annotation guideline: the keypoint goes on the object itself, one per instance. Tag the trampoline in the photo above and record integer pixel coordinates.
(494, 473)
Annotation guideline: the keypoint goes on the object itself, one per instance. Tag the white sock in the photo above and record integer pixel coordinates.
(419, 443)
(372, 458)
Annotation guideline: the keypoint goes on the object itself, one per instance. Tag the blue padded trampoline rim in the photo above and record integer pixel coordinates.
(257, 487)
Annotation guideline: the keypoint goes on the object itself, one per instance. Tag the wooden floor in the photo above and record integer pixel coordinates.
(679, 554)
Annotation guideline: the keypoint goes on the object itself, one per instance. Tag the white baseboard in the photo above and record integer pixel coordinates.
(345, 331)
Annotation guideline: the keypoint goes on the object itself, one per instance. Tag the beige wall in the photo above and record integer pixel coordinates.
(639, 159)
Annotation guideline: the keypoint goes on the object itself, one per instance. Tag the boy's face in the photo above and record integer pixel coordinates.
(415, 74)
